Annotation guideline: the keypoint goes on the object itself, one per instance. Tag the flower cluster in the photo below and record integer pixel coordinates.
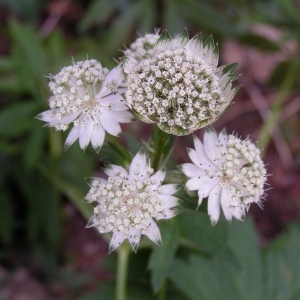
(179, 86)
(89, 96)
(143, 46)
(175, 83)
(128, 202)
(227, 170)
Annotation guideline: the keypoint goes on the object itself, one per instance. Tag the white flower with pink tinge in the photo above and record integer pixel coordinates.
(227, 170)
(89, 96)
(129, 202)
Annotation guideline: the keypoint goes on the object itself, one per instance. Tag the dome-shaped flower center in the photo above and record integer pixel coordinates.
(241, 170)
(176, 90)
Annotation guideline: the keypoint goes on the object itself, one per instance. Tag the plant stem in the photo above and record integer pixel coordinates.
(162, 144)
(119, 148)
(275, 109)
(122, 266)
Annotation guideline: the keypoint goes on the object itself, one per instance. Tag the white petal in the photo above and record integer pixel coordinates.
(111, 170)
(191, 170)
(238, 212)
(205, 189)
(48, 116)
(168, 201)
(138, 164)
(110, 125)
(122, 116)
(116, 75)
(210, 141)
(226, 203)
(97, 138)
(73, 136)
(85, 136)
(213, 205)
(158, 177)
(168, 189)
(134, 238)
(206, 163)
(116, 240)
(113, 102)
(197, 183)
(153, 233)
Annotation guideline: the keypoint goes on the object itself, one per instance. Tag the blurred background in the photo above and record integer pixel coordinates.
(45, 250)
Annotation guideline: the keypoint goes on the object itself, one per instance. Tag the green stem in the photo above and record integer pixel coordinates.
(161, 141)
(275, 109)
(163, 291)
(122, 266)
(120, 148)
(56, 145)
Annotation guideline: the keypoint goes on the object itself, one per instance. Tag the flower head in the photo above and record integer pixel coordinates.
(179, 86)
(89, 96)
(129, 202)
(143, 47)
(227, 170)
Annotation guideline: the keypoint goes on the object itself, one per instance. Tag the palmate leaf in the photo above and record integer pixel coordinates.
(282, 265)
(212, 278)
(162, 256)
(196, 228)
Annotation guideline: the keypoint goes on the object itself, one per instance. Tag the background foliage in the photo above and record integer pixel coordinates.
(39, 180)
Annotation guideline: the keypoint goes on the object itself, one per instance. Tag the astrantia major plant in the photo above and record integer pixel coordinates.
(90, 97)
(177, 85)
(227, 170)
(180, 86)
(129, 202)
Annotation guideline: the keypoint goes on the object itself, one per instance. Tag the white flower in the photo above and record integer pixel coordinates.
(227, 170)
(129, 202)
(179, 86)
(89, 96)
(143, 46)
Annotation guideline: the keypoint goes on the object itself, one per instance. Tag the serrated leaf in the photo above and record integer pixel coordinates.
(197, 229)
(242, 239)
(282, 265)
(200, 278)
(162, 256)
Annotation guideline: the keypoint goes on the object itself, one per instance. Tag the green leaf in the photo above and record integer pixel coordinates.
(196, 228)
(98, 12)
(282, 70)
(17, 118)
(200, 278)
(242, 239)
(34, 147)
(258, 41)
(26, 38)
(147, 21)
(70, 190)
(162, 256)
(282, 265)
(173, 19)
(120, 30)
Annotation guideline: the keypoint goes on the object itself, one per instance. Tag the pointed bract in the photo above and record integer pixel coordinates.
(89, 96)
(129, 202)
(227, 170)
(179, 86)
